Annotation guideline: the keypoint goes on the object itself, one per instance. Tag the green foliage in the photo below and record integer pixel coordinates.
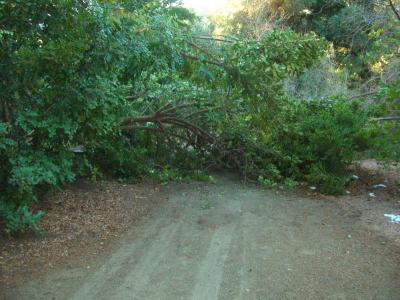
(386, 134)
(66, 67)
(260, 66)
(290, 183)
(20, 219)
(52, 96)
(73, 72)
(354, 27)
(168, 174)
(330, 135)
(288, 138)
(267, 182)
(329, 183)
(313, 141)
(340, 28)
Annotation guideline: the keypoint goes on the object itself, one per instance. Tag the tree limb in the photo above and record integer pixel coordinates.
(205, 52)
(215, 63)
(6, 112)
(155, 129)
(167, 114)
(363, 95)
(396, 13)
(393, 118)
(210, 38)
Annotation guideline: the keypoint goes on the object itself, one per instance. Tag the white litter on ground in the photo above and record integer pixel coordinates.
(372, 195)
(380, 186)
(355, 177)
(393, 218)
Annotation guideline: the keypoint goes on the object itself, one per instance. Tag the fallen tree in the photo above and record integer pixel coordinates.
(170, 115)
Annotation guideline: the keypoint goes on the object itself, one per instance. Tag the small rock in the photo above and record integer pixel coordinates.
(348, 192)
(355, 177)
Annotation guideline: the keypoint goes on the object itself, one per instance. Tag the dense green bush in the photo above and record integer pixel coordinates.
(385, 131)
(66, 67)
(307, 141)
(326, 141)
(57, 90)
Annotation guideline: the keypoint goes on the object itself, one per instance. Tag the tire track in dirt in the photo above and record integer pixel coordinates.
(230, 241)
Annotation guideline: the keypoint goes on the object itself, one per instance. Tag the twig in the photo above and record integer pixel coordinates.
(387, 119)
(363, 95)
(209, 38)
(204, 60)
(202, 111)
(205, 52)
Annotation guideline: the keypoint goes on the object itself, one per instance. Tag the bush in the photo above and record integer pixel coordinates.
(386, 134)
(66, 68)
(308, 140)
(20, 218)
(329, 183)
(57, 91)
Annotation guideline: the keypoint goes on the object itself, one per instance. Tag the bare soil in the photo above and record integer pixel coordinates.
(81, 223)
(226, 240)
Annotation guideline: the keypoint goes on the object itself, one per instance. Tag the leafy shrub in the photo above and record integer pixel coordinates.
(385, 134)
(19, 219)
(66, 69)
(274, 137)
(312, 140)
(267, 182)
(329, 183)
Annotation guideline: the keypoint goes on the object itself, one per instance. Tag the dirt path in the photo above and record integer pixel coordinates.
(229, 241)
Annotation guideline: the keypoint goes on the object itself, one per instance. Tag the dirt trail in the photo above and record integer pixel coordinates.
(229, 241)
